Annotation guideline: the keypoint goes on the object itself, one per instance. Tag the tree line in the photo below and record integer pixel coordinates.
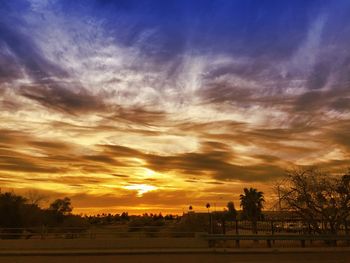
(318, 199)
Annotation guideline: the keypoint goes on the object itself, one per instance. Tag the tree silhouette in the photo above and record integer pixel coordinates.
(11, 210)
(210, 219)
(207, 206)
(124, 216)
(34, 197)
(61, 206)
(316, 197)
(15, 214)
(252, 203)
(231, 213)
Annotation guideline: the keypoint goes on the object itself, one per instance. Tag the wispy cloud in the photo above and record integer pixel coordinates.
(104, 99)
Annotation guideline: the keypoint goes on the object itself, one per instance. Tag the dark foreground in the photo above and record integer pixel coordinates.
(290, 257)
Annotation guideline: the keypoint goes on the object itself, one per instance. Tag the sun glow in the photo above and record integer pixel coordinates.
(140, 188)
(173, 109)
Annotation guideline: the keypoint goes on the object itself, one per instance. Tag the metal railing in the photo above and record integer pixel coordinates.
(330, 240)
(286, 226)
(91, 233)
(214, 240)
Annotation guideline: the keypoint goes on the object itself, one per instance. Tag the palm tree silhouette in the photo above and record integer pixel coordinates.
(207, 206)
(252, 203)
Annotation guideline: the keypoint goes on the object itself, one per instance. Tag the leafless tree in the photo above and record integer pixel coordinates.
(318, 197)
(34, 197)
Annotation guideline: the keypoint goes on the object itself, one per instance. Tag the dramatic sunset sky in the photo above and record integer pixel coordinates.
(158, 105)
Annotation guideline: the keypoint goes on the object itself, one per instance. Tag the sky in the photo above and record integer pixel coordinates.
(155, 105)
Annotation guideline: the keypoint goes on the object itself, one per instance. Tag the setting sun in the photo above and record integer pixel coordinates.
(141, 188)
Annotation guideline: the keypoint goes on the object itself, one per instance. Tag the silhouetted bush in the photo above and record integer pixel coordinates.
(19, 219)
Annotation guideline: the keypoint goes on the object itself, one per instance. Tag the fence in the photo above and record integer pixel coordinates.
(92, 233)
(331, 240)
(274, 227)
(170, 234)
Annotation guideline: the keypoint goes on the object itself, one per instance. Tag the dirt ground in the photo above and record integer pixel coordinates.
(322, 257)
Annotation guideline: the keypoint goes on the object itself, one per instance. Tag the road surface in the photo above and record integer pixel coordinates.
(321, 257)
